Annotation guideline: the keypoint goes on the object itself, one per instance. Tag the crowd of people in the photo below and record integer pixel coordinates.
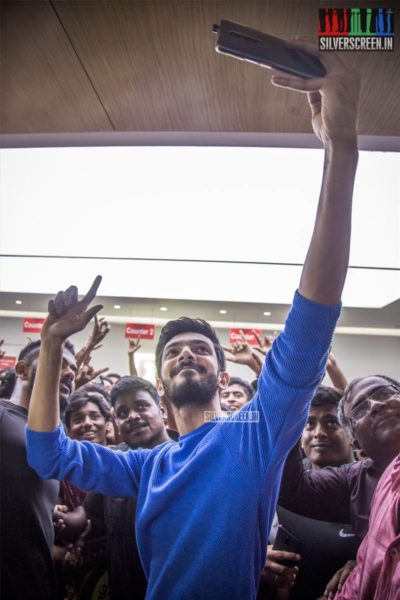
(179, 489)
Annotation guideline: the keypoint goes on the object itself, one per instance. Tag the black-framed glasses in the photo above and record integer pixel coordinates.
(380, 396)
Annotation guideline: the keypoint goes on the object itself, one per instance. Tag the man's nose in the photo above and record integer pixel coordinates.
(376, 406)
(68, 373)
(186, 354)
(133, 416)
(87, 423)
(319, 431)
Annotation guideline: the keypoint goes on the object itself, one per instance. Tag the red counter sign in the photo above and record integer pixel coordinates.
(6, 362)
(248, 334)
(31, 325)
(138, 330)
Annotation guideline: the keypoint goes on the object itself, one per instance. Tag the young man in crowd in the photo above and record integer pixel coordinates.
(377, 572)
(326, 546)
(236, 394)
(26, 500)
(191, 544)
(140, 422)
(324, 441)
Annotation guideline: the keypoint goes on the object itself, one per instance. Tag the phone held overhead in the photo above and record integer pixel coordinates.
(265, 50)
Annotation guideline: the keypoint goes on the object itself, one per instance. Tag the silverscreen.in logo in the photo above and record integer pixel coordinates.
(356, 29)
(241, 416)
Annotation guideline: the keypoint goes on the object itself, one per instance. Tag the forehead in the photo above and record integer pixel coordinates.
(188, 338)
(365, 387)
(324, 409)
(134, 396)
(234, 388)
(86, 408)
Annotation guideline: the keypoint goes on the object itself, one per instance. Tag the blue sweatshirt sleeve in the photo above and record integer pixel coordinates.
(90, 467)
(274, 420)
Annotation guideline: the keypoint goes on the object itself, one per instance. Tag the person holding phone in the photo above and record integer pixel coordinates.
(206, 503)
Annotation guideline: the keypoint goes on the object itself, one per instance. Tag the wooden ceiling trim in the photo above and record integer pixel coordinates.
(44, 87)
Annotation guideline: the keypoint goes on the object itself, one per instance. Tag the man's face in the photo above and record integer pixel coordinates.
(234, 396)
(139, 419)
(67, 378)
(189, 370)
(378, 432)
(88, 424)
(324, 441)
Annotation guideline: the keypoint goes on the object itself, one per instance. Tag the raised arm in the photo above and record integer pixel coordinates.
(67, 315)
(334, 108)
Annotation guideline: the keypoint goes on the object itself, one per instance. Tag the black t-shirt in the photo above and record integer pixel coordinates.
(326, 547)
(115, 517)
(26, 507)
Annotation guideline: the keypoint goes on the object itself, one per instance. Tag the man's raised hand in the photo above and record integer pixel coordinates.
(68, 315)
(333, 99)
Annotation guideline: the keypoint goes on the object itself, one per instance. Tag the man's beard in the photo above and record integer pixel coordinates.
(192, 392)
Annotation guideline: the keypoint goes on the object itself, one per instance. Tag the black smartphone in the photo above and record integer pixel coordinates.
(266, 50)
(289, 543)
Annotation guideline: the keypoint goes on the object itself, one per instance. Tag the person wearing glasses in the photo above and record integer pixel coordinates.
(370, 412)
(377, 571)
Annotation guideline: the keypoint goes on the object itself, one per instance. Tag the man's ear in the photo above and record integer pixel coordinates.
(163, 410)
(160, 387)
(22, 370)
(357, 449)
(223, 379)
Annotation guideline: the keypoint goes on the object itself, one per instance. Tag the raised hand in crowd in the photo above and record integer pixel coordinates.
(277, 574)
(2, 352)
(86, 373)
(335, 373)
(100, 329)
(242, 353)
(264, 343)
(337, 581)
(67, 315)
(133, 347)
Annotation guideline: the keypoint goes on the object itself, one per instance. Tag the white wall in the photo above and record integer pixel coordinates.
(357, 355)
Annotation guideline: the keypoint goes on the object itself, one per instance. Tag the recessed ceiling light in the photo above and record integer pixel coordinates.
(117, 306)
(163, 308)
(18, 302)
(223, 312)
(267, 314)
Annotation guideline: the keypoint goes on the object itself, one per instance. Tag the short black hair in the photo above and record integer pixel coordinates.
(326, 395)
(184, 325)
(96, 388)
(81, 398)
(8, 383)
(344, 420)
(29, 351)
(248, 390)
(132, 384)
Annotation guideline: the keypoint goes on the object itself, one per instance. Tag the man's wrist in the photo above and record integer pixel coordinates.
(51, 343)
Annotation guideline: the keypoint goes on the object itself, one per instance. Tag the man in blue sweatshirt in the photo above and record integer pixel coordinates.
(205, 504)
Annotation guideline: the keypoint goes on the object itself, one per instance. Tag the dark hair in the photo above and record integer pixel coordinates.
(81, 398)
(344, 421)
(96, 388)
(32, 348)
(248, 390)
(8, 383)
(183, 325)
(326, 395)
(132, 384)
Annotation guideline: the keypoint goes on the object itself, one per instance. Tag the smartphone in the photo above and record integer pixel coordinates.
(289, 543)
(265, 50)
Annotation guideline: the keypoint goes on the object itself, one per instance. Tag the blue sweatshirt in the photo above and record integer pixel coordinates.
(205, 504)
